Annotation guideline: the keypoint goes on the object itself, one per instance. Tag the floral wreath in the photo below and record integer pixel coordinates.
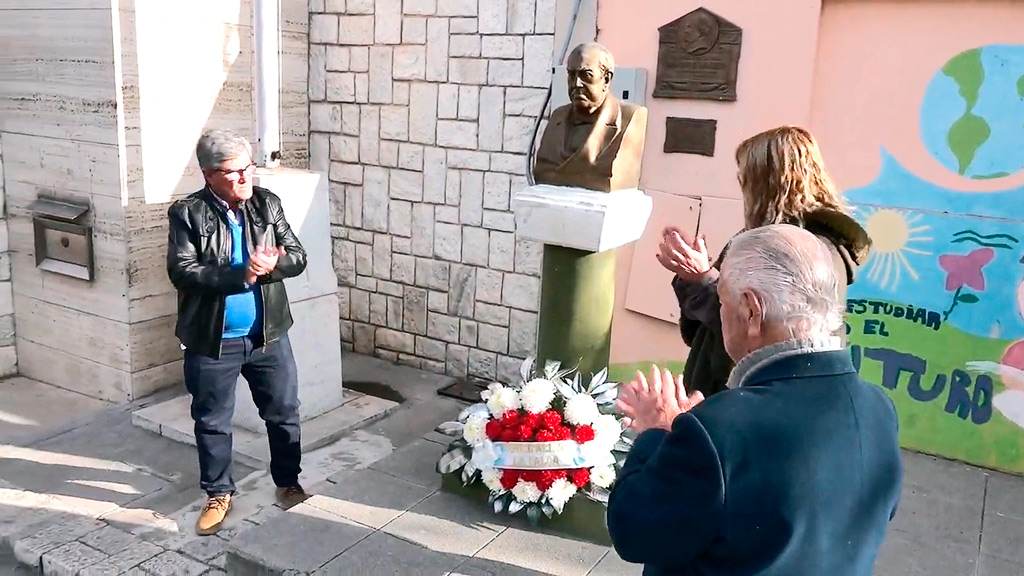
(538, 444)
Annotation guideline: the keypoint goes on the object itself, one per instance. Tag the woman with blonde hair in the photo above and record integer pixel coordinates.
(783, 180)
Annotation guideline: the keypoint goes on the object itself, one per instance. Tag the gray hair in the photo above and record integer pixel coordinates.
(793, 276)
(218, 146)
(606, 61)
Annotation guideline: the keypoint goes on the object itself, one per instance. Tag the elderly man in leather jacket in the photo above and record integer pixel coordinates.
(229, 250)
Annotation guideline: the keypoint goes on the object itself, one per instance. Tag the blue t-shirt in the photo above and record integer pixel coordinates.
(242, 312)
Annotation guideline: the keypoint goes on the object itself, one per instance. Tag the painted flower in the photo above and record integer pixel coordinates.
(560, 492)
(602, 476)
(537, 395)
(581, 409)
(492, 479)
(502, 400)
(966, 269)
(527, 491)
(607, 430)
(475, 429)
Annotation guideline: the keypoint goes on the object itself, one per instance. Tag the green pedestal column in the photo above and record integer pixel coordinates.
(577, 298)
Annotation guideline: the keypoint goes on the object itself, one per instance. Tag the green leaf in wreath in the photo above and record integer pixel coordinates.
(515, 506)
(967, 298)
(597, 381)
(547, 509)
(533, 513)
(453, 460)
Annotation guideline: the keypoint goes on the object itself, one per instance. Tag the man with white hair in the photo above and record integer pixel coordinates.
(229, 251)
(795, 469)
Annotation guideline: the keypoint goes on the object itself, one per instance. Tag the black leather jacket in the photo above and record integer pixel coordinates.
(198, 263)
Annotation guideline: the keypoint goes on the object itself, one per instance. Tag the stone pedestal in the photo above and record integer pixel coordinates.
(579, 229)
(313, 296)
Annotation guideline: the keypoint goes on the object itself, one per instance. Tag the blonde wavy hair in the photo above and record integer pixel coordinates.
(782, 175)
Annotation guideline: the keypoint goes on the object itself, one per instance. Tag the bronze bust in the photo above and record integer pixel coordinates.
(596, 141)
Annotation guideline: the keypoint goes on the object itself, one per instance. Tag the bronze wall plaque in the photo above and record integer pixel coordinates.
(690, 136)
(698, 57)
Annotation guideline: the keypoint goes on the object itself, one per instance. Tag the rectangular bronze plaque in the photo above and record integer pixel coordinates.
(690, 136)
(698, 57)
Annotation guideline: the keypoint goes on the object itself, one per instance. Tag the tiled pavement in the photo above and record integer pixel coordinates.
(378, 508)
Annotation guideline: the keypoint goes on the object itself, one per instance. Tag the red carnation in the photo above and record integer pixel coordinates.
(545, 436)
(547, 478)
(524, 433)
(508, 435)
(561, 473)
(580, 477)
(531, 419)
(551, 419)
(510, 419)
(531, 475)
(493, 429)
(584, 434)
(563, 433)
(509, 479)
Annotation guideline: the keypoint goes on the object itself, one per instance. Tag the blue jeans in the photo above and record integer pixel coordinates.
(271, 374)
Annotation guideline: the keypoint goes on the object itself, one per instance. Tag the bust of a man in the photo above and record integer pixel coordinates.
(595, 141)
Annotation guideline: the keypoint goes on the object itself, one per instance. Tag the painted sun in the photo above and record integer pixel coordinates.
(893, 234)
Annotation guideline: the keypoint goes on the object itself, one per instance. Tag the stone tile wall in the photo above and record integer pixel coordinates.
(422, 111)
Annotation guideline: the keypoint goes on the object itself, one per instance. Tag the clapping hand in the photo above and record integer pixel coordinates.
(688, 259)
(655, 403)
(263, 262)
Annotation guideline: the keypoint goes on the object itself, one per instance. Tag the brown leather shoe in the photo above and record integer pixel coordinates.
(212, 516)
(288, 496)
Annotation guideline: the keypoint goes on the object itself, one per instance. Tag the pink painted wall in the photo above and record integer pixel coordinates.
(774, 87)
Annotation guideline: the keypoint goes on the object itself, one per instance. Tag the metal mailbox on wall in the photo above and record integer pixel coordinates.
(63, 243)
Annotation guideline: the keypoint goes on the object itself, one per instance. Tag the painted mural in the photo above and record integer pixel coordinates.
(937, 314)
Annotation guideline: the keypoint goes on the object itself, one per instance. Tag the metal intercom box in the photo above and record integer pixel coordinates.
(63, 242)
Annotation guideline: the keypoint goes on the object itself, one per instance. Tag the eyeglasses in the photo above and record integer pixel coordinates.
(237, 174)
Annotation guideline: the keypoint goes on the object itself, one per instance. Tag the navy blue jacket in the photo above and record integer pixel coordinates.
(796, 473)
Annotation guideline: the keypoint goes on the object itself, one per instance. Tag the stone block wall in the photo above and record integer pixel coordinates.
(8, 351)
(421, 111)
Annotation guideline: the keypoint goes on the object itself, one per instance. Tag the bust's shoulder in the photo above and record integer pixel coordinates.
(560, 114)
(630, 110)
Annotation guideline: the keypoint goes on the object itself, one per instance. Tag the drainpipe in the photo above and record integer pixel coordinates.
(268, 82)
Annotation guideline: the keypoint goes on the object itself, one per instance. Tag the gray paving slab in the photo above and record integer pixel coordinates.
(1003, 537)
(448, 523)
(30, 549)
(204, 549)
(905, 555)
(543, 552)
(481, 567)
(109, 540)
(416, 418)
(70, 559)
(939, 518)
(612, 565)
(384, 554)
(172, 563)
(992, 566)
(411, 383)
(369, 497)
(1005, 495)
(134, 555)
(304, 538)
(33, 408)
(415, 462)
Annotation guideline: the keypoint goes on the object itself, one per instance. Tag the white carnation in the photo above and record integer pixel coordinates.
(581, 409)
(537, 395)
(607, 430)
(602, 476)
(502, 400)
(526, 491)
(474, 429)
(560, 492)
(492, 479)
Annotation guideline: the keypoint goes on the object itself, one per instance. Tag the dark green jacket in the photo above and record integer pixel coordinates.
(708, 365)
